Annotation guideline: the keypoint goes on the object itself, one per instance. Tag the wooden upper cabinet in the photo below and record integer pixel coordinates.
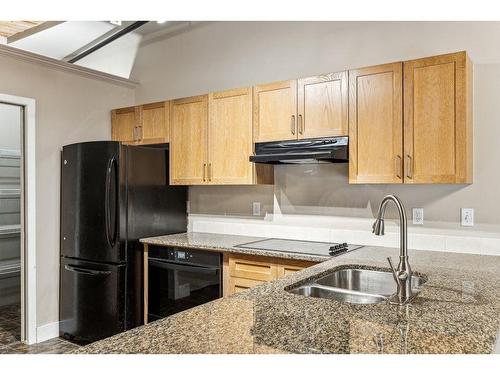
(230, 137)
(438, 119)
(275, 111)
(375, 124)
(155, 122)
(188, 143)
(124, 124)
(143, 124)
(322, 106)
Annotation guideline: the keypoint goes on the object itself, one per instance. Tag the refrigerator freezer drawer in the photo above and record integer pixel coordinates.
(92, 300)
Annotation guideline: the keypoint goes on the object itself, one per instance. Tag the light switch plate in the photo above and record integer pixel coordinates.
(256, 208)
(418, 216)
(467, 215)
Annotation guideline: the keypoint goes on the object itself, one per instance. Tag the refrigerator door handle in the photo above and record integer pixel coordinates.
(86, 271)
(112, 165)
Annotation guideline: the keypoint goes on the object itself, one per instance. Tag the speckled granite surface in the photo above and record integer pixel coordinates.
(458, 311)
(225, 243)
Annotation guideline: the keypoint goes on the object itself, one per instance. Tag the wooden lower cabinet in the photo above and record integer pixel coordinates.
(241, 272)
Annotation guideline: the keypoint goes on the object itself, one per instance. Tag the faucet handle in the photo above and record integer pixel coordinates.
(394, 272)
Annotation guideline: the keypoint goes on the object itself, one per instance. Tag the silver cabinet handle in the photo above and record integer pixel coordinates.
(204, 170)
(209, 172)
(292, 124)
(301, 125)
(399, 167)
(409, 167)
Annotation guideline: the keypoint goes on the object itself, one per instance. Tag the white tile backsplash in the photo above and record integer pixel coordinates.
(305, 229)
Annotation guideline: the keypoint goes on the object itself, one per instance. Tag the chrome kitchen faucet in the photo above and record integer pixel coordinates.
(402, 275)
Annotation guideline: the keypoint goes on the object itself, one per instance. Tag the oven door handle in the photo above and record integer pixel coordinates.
(161, 263)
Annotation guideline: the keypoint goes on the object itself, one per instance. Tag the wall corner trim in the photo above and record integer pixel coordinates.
(65, 66)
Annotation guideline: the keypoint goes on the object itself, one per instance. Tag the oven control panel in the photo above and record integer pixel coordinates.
(185, 255)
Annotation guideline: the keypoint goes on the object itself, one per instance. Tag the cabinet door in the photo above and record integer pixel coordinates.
(438, 119)
(188, 145)
(275, 111)
(230, 137)
(375, 124)
(322, 106)
(155, 123)
(124, 125)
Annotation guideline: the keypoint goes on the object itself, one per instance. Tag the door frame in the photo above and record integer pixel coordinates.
(28, 215)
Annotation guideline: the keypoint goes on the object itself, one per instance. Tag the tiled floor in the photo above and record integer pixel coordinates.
(10, 336)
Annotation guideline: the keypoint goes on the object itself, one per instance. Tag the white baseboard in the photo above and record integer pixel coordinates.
(47, 332)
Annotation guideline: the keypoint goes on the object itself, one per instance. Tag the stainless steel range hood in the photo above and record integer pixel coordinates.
(317, 150)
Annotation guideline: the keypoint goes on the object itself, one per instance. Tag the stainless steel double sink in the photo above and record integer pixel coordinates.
(355, 285)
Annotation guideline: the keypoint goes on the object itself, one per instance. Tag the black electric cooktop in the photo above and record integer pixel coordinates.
(302, 247)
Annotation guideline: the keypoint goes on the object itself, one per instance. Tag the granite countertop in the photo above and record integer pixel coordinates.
(457, 311)
(226, 243)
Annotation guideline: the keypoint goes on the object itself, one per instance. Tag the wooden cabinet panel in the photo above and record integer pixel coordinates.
(375, 124)
(230, 137)
(438, 119)
(289, 267)
(237, 285)
(143, 124)
(275, 111)
(124, 125)
(255, 268)
(322, 106)
(155, 122)
(242, 272)
(188, 144)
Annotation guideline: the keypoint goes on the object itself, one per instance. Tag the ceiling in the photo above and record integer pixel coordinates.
(9, 28)
(66, 40)
(63, 39)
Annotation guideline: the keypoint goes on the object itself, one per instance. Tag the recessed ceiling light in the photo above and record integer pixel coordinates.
(160, 22)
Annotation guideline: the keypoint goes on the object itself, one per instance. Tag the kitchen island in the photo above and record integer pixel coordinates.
(457, 311)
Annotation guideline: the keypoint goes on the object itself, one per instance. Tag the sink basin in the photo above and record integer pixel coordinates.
(354, 285)
(338, 294)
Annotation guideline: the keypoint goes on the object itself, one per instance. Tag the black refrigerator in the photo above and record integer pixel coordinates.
(111, 195)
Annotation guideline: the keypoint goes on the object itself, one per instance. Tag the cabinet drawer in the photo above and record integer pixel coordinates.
(285, 269)
(288, 270)
(237, 284)
(252, 268)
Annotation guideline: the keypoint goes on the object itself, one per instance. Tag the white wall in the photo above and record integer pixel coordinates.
(69, 108)
(10, 127)
(225, 55)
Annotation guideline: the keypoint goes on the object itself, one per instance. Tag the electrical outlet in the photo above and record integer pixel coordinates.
(256, 208)
(418, 216)
(467, 217)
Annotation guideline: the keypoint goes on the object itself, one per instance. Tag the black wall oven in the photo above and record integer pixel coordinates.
(180, 279)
